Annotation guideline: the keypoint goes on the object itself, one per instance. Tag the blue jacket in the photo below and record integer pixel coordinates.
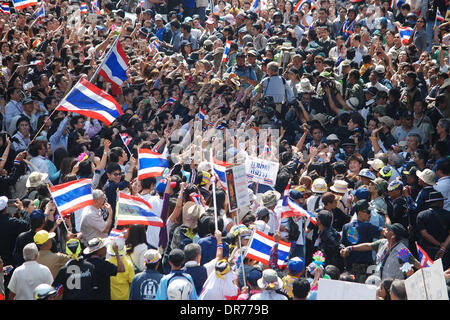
(145, 285)
(162, 290)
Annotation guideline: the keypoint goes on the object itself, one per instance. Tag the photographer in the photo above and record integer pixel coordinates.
(245, 72)
(330, 91)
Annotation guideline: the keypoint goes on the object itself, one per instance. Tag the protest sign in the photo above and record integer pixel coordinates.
(237, 187)
(261, 171)
(344, 290)
(427, 283)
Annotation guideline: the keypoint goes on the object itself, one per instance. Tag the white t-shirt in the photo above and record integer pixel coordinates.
(153, 232)
(27, 277)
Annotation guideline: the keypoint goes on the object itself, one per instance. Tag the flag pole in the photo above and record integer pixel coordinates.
(214, 186)
(240, 249)
(104, 59)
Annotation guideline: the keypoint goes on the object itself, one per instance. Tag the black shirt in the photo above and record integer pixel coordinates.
(77, 279)
(436, 222)
(10, 228)
(103, 271)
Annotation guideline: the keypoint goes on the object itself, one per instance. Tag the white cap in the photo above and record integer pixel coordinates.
(159, 17)
(3, 202)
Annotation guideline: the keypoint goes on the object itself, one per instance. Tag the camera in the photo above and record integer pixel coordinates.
(328, 84)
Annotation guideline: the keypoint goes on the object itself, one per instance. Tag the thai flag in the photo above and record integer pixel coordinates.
(141, 3)
(266, 149)
(301, 3)
(405, 34)
(227, 50)
(95, 7)
(125, 138)
(40, 12)
(255, 6)
(201, 114)
(220, 126)
(424, 259)
(195, 197)
(21, 4)
(151, 164)
(4, 8)
(169, 102)
(83, 8)
(135, 210)
(59, 290)
(72, 196)
(219, 170)
(36, 62)
(116, 233)
(439, 16)
(90, 101)
(115, 67)
(260, 246)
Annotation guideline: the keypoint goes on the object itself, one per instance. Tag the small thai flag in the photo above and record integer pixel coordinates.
(266, 148)
(169, 102)
(141, 3)
(40, 12)
(220, 126)
(219, 170)
(195, 197)
(22, 4)
(72, 196)
(125, 138)
(151, 164)
(424, 259)
(115, 67)
(95, 7)
(301, 3)
(260, 246)
(4, 8)
(255, 6)
(439, 16)
(227, 50)
(135, 210)
(83, 8)
(36, 62)
(405, 34)
(201, 114)
(116, 233)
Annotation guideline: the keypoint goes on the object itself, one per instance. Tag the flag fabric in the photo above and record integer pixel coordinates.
(90, 101)
(95, 7)
(266, 149)
(151, 164)
(227, 50)
(4, 8)
(72, 196)
(439, 16)
(40, 12)
(301, 3)
(405, 34)
(59, 290)
(83, 8)
(219, 170)
(141, 3)
(135, 210)
(116, 233)
(22, 4)
(114, 69)
(260, 246)
(168, 102)
(424, 259)
(36, 62)
(125, 138)
(201, 114)
(195, 197)
(255, 6)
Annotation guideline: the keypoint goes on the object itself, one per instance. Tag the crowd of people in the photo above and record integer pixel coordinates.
(362, 114)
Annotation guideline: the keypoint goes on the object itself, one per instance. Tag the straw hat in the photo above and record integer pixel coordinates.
(35, 178)
(427, 176)
(339, 186)
(191, 212)
(319, 186)
(305, 86)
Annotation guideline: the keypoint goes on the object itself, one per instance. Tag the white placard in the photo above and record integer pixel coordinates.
(427, 283)
(261, 171)
(344, 290)
(415, 288)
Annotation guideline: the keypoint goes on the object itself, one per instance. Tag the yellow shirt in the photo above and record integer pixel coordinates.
(288, 283)
(120, 284)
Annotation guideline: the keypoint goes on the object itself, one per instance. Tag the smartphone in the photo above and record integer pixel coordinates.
(8, 269)
(191, 99)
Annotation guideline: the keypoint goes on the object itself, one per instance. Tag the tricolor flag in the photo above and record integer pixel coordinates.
(151, 164)
(116, 233)
(439, 16)
(72, 196)
(114, 68)
(301, 3)
(125, 138)
(83, 8)
(255, 6)
(424, 259)
(90, 101)
(195, 197)
(39, 14)
(292, 209)
(4, 8)
(260, 246)
(201, 114)
(141, 3)
(266, 149)
(59, 290)
(169, 102)
(22, 4)
(219, 170)
(135, 210)
(95, 7)
(405, 34)
(36, 62)
(227, 50)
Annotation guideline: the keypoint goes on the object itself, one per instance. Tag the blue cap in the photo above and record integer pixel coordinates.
(295, 195)
(395, 185)
(161, 186)
(254, 275)
(296, 265)
(37, 215)
(361, 193)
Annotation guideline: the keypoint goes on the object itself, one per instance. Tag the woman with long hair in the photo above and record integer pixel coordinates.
(136, 243)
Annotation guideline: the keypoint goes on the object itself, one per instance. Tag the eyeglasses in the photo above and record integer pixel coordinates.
(116, 174)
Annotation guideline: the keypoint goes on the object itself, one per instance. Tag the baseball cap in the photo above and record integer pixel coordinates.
(27, 100)
(395, 185)
(295, 265)
(37, 215)
(398, 229)
(254, 275)
(361, 193)
(371, 90)
(295, 195)
(42, 236)
(160, 17)
(376, 164)
(151, 256)
(3, 202)
(380, 69)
